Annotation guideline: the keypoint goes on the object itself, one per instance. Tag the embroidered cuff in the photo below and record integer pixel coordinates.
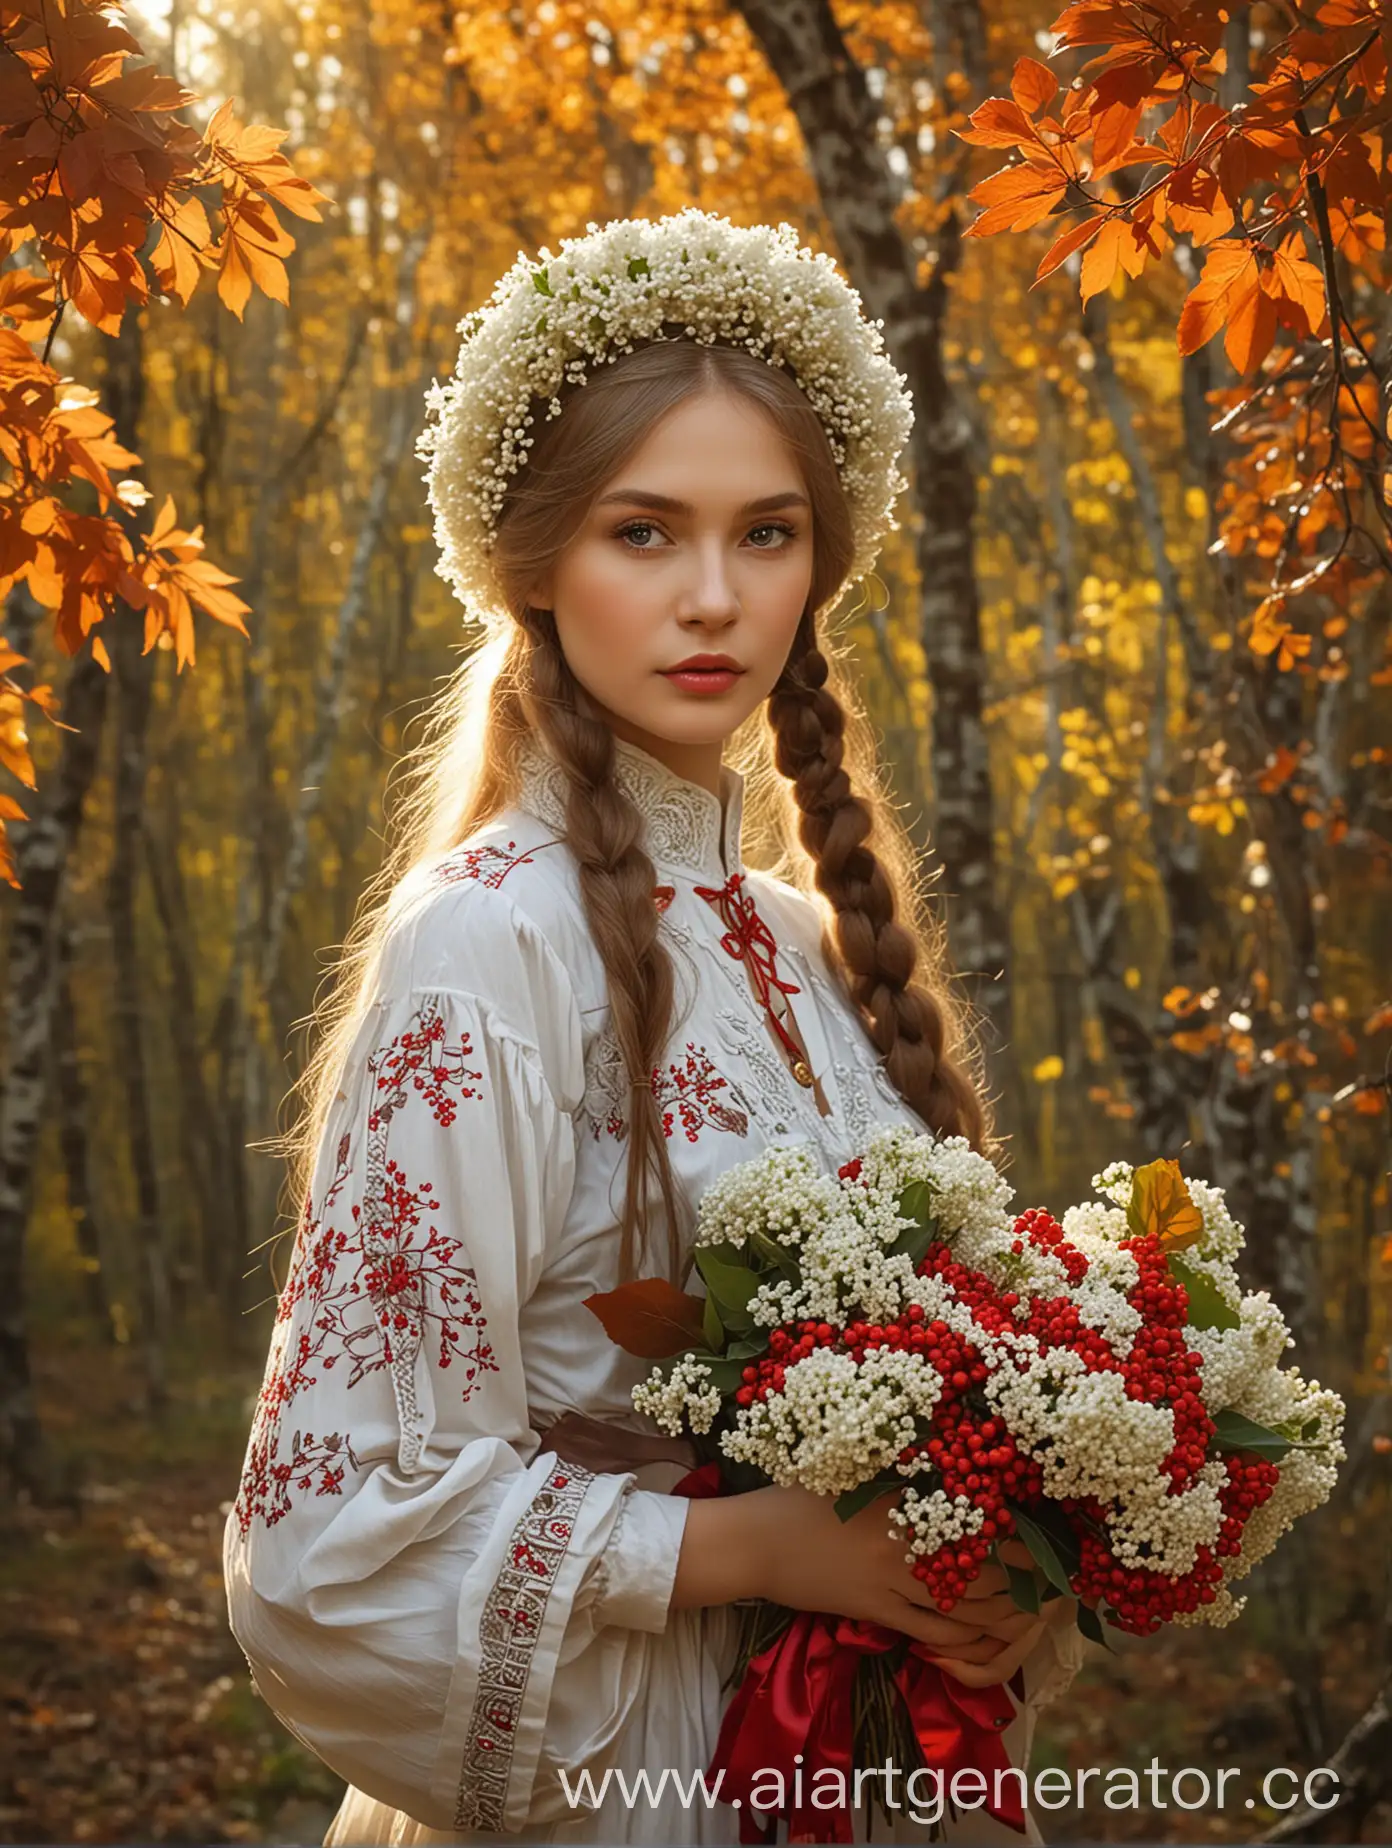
(639, 1564)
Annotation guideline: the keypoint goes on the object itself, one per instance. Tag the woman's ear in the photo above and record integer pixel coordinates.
(540, 597)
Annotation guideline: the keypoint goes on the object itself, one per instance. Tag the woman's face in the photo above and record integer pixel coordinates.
(701, 544)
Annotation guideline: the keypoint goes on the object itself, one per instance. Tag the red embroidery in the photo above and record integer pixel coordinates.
(749, 940)
(488, 863)
(691, 1090)
(663, 896)
(372, 1295)
(509, 1630)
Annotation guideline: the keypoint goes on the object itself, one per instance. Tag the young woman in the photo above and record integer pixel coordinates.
(454, 1563)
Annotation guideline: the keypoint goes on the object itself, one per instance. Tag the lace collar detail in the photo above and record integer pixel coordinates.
(687, 827)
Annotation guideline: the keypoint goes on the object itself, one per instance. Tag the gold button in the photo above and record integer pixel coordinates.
(802, 1072)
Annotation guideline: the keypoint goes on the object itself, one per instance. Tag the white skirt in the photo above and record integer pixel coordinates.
(675, 1726)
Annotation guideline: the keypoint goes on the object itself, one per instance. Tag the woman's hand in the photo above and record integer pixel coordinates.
(1018, 1634)
(806, 1557)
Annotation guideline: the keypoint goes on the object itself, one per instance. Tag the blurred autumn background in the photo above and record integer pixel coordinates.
(1129, 654)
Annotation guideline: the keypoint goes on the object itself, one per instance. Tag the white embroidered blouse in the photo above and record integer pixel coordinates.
(449, 1616)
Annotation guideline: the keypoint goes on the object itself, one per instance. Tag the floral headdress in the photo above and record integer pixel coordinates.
(553, 319)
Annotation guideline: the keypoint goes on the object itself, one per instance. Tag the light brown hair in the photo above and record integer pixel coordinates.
(814, 794)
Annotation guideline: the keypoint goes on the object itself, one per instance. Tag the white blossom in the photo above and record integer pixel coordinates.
(935, 1520)
(554, 318)
(835, 1424)
(686, 1392)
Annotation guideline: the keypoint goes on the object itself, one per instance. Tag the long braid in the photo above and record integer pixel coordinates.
(908, 1025)
(604, 829)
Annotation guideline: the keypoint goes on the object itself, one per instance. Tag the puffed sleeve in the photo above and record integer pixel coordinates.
(411, 1580)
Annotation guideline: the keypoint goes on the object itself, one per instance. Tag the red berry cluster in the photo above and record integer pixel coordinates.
(1045, 1233)
(1162, 1368)
(977, 1457)
(787, 1346)
(1143, 1599)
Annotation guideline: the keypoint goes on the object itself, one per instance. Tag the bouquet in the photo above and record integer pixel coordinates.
(1102, 1390)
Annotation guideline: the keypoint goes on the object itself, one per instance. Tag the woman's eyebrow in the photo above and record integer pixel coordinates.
(664, 503)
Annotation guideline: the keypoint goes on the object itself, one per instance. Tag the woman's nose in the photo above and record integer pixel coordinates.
(711, 591)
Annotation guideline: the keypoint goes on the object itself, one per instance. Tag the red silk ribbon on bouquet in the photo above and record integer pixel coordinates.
(796, 1697)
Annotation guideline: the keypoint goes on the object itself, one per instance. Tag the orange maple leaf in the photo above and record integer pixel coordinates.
(1162, 1207)
(1016, 198)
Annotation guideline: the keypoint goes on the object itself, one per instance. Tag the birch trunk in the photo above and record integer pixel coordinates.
(133, 672)
(42, 850)
(72, 1104)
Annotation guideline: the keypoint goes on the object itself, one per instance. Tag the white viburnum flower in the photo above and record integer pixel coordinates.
(554, 319)
(781, 1193)
(686, 1393)
(835, 1424)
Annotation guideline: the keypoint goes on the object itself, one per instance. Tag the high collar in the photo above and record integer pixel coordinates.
(686, 827)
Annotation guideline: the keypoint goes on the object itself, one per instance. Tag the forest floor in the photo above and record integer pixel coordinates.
(129, 1716)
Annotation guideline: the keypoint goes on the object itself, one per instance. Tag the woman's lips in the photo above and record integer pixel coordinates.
(703, 679)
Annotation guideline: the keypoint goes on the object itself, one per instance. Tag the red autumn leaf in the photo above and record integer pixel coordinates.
(1293, 280)
(1100, 263)
(1016, 198)
(1278, 772)
(1033, 85)
(1194, 202)
(1251, 328)
(1229, 276)
(27, 299)
(1063, 246)
(650, 1317)
(1122, 242)
(1113, 131)
(998, 123)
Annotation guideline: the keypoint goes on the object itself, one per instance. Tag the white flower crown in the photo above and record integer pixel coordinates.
(551, 320)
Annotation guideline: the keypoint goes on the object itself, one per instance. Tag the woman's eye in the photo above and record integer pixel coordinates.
(769, 537)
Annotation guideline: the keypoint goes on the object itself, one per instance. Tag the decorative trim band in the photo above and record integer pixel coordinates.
(508, 1633)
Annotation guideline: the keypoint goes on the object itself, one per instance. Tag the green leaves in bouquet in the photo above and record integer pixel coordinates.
(1023, 1588)
(711, 1327)
(1234, 1432)
(1091, 1624)
(853, 1500)
(727, 1369)
(915, 1202)
(650, 1317)
(729, 1284)
(1207, 1308)
(1051, 1545)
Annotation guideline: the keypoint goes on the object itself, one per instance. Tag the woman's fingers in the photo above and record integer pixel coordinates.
(1012, 1624)
(987, 1613)
(933, 1628)
(999, 1667)
(941, 1634)
(984, 1651)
